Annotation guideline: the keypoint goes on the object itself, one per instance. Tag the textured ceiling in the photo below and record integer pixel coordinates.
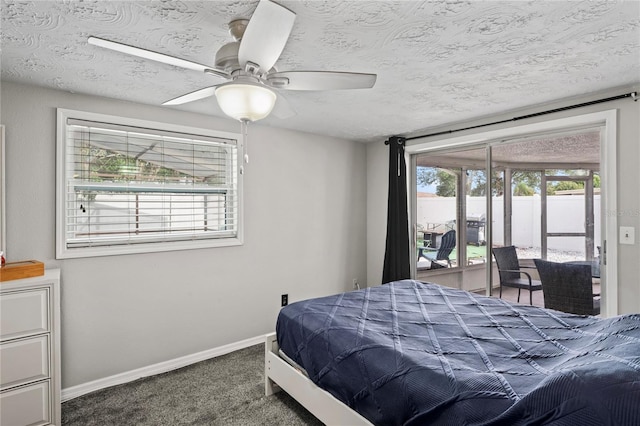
(437, 62)
(575, 149)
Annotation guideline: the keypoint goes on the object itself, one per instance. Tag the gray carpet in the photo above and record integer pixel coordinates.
(227, 390)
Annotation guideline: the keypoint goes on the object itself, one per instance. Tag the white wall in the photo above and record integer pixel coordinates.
(628, 185)
(304, 235)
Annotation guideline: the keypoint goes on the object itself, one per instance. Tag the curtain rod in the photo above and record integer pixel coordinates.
(633, 95)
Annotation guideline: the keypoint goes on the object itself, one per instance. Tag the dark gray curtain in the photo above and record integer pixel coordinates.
(396, 256)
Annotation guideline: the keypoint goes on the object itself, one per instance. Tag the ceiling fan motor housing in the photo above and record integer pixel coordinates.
(237, 27)
(227, 57)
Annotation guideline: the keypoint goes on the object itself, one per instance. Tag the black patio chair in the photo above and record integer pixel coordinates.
(510, 273)
(568, 287)
(439, 257)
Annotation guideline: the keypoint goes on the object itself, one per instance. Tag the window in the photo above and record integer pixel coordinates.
(131, 186)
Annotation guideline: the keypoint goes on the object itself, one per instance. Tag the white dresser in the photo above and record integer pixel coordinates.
(30, 350)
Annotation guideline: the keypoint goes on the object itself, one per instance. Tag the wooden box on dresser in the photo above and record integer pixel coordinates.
(30, 350)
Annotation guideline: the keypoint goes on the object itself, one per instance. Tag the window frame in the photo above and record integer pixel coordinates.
(65, 252)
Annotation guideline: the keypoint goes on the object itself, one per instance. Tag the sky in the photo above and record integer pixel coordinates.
(427, 188)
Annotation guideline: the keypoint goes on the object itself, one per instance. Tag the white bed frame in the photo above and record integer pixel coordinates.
(279, 374)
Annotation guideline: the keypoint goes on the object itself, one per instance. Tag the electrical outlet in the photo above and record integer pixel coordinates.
(356, 286)
(284, 300)
(627, 235)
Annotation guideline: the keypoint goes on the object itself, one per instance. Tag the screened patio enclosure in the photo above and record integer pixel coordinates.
(543, 197)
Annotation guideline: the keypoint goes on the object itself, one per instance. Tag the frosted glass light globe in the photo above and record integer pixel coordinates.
(245, 101)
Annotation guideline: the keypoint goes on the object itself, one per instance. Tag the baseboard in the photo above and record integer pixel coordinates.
(161, 367)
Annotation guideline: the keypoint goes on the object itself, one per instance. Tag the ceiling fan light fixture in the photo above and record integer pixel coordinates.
(245, 101)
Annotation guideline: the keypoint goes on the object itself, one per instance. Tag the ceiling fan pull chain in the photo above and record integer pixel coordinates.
(244, 124)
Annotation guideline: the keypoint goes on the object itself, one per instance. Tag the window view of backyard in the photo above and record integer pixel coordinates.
(128, 186)
(438, 215)
(544, 199)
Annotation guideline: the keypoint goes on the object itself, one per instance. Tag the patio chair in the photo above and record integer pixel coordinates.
(439, 257)
(568, 287)
(510, 273)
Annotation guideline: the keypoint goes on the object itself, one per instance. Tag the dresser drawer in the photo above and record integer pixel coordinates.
(23, 361)
(24, 313)
(26, 405)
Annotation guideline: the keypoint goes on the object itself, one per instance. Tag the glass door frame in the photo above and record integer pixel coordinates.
(608, 162)
(588, 233)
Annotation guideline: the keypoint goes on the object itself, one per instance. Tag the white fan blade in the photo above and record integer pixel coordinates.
(154, 56)
(266, 35)
(193, 96)
(320, 80)
(283, 108)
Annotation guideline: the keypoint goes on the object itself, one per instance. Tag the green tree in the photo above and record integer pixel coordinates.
(446, 185)
(523, 182)
(526, 182)
(523, 190)
(444, 180)
(476, 184)
(552, 188)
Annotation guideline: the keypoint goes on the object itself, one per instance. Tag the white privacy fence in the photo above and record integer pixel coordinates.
(145, 216)
(566, 213)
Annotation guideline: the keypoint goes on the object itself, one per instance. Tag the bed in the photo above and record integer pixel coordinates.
(413, 353)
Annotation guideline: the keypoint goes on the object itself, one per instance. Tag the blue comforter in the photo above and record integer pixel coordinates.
(412, 353)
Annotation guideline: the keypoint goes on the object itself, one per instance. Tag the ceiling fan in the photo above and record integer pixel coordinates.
(248, 65)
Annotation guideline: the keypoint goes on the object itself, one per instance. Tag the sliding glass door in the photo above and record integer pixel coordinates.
(450, 215)
(542, 198)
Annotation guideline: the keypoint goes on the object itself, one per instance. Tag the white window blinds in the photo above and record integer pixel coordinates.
(130, 186)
